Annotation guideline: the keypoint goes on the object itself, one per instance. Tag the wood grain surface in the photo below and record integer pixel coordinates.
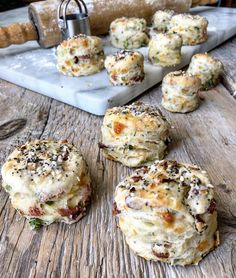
(95, 247)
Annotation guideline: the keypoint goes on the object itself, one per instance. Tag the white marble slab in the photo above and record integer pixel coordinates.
(34, 68)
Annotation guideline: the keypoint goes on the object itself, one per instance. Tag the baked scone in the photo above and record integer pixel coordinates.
(180, 92)
(161, 20)
(125, 67)
(165, 49)
(135, 134)
(207, 68)
(80, 55)
(47, 182)
(168, 213)
(192, 28)
(129, 33)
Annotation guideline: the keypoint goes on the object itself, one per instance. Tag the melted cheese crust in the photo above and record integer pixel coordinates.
(80, 55)
(180, 92)
(135, 134)
(207, 68)
(167, 212)
(47, 180)
(129, 33)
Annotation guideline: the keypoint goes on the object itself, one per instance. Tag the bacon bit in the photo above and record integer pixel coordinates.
(102, 146)
(137, 78)
(70, 212)
(163, 178)
(136, 178)
(118, 127)
(35, 211)
(161, 255)
(168, 217)
(115, 210)
(64, 141)
(212, 207)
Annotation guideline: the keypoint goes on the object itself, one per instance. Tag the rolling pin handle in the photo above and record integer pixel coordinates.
(17, 33)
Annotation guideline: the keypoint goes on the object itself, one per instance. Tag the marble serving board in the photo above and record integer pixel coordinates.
(34, 68)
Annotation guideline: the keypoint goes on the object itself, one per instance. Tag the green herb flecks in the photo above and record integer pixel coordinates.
(35, 223)
(126, 44)
(8, 188)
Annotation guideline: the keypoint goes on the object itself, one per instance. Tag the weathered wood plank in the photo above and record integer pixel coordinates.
(227, 54)
(95, 247)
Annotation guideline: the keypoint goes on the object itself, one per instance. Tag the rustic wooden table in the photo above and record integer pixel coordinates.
(95, 247)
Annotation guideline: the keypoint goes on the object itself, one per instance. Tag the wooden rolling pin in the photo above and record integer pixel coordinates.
(43, 23)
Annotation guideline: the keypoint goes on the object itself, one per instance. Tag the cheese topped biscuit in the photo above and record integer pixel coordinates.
(129, 33)
(125, 67)
(47, 181)
(192, 28)
(165, 49)
(135, 134)
(80, 55)
(180, 92)
(161, 20)
(167, 212)
(207, 68)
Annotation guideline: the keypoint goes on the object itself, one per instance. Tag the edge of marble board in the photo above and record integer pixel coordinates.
(99, 105)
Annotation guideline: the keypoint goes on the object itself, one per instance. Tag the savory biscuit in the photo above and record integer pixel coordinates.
(80, 55)
(180, 92)
(129, 33)
(165, 49)
(125, 67)
(135, 134)
(192, 28)
(47, 182)
(168, 213)
(207, 68)
(161, 20)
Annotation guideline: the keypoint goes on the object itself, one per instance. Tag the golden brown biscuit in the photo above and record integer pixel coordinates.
(161, 20)
(165, 49)
(207, 68)
(167, 212)
(129, 33)
(180, 92)
(192, 28)
(80, 55)
(125, 67)
(135, 134)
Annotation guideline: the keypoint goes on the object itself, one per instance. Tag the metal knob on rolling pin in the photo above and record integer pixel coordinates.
(73, 24)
